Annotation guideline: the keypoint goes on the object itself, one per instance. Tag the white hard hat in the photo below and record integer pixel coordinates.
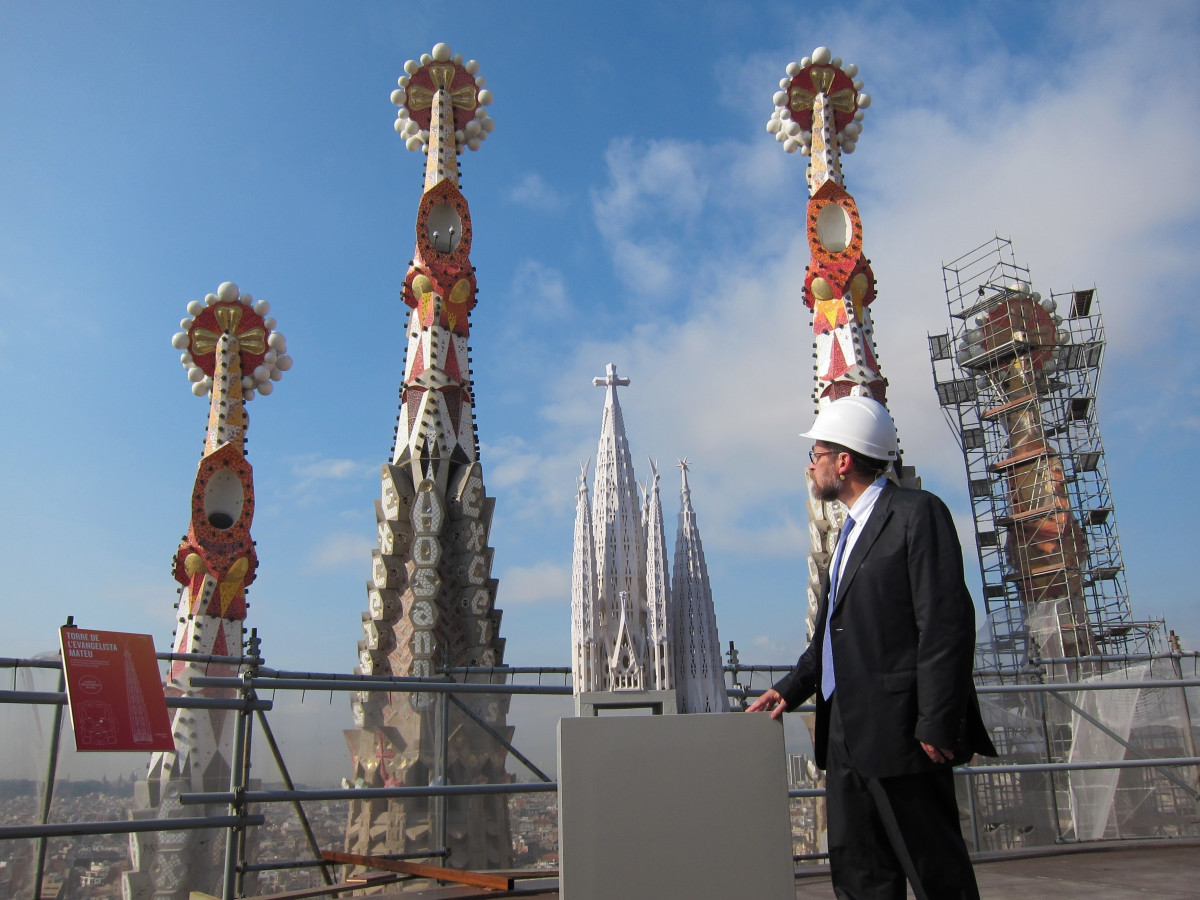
(860, 423)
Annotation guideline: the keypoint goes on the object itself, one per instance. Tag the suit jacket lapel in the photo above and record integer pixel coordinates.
(871, 531)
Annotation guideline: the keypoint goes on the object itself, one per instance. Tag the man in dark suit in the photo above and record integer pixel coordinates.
(891, 667)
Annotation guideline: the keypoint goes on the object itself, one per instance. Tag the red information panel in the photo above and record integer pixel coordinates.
(115, 691)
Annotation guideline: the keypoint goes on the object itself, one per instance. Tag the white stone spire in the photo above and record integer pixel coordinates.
(617, 528)
(658, 590)
(700, 678)
(632, 629)
(585, 634)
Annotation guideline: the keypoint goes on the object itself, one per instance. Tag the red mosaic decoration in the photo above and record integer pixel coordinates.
(225, 553)
(837, 267)
(829, 79)
(437, 75)
(840, 389)
(234, 316)
(446, 272)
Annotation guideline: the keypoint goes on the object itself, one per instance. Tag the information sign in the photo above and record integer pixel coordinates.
(114, 691)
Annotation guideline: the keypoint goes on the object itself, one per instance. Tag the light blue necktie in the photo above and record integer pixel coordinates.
(827, 679)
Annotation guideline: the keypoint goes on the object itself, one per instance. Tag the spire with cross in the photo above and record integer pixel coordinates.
(631, 638)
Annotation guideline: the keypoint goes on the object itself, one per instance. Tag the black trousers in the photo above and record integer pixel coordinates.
(884, 831)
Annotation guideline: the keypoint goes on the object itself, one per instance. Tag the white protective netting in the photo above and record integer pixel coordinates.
(1114, 725)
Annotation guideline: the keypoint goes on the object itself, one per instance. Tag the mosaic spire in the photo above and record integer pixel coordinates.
(819, 111)
(231, 351)
(431, 597)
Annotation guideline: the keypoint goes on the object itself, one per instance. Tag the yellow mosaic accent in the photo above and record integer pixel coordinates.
(229, 317)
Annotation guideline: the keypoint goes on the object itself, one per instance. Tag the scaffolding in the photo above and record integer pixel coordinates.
(1016, 377)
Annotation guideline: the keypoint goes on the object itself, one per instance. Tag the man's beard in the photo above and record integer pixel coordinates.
(826, 491)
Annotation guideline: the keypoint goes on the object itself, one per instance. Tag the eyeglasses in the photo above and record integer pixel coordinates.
(815, 454)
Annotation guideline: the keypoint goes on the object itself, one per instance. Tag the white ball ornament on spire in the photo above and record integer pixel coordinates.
(261, 349)
(821, 73)
(417, 87)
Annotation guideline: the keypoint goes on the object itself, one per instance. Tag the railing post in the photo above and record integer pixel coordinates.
(974, 811)
(236, 806)
(246, 715)
(51, 774)
(443, 766)
(1189, 740)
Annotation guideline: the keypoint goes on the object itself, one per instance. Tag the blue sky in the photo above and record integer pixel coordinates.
(629, 207)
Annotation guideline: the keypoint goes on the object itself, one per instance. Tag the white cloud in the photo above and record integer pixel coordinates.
(313, 468)
(536, 482)
(317, 478)
(654, 191)
(539, 290)
(350, 552)
(543, 582)
(533, 191)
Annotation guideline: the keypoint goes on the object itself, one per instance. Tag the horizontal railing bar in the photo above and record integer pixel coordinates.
(317, 863)
(432, 790)
(281, 674)
(1068, 687)
(1045, 767)
(72, 829)
(1116, 660)
(45, 698)
(250, 705)
(56, 698)
(1162, 762)
(7, 662)
(505, 670)
(210, 658)
(392, 684)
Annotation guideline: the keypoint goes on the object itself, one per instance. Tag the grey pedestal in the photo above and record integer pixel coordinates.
(664, 807)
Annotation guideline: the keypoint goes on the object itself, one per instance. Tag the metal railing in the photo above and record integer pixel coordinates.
(248, 707)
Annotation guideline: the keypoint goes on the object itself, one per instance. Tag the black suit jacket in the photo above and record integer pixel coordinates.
(903, 633)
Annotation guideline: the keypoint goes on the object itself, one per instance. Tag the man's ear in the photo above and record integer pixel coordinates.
(845, 463)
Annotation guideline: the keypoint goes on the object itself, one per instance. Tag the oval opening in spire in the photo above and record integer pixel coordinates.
(834, 227)
(223, 499)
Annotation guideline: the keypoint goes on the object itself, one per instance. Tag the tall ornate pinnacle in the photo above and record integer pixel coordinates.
(660, 652)
(585, 665)
(231, 352)
(616, 523)
(431, 597)
(819, 112)
(633, 626)
(696, 646)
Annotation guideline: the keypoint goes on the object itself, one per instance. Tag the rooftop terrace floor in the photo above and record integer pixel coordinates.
(1123, 871)
(1095, 872)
